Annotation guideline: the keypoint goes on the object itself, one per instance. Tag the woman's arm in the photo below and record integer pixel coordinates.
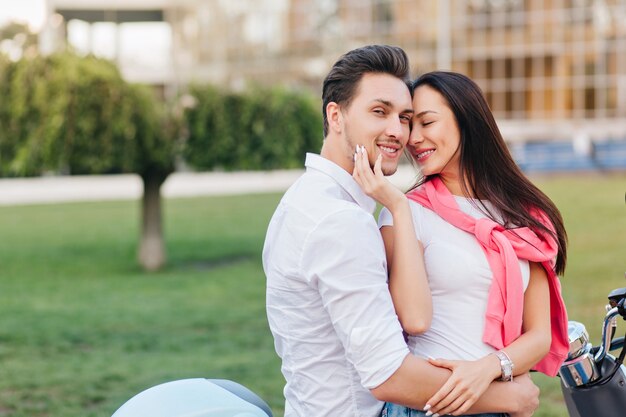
(408, 283)
(470, 379)
(534, 343)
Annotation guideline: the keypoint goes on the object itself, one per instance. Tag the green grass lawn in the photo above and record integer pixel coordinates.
(82, 328)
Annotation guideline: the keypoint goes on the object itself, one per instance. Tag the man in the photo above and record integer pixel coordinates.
(328, 304)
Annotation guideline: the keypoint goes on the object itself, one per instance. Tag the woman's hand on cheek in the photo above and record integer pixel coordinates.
(373, 182)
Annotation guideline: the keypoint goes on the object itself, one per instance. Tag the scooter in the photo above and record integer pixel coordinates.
(593, 381)
(196, 397)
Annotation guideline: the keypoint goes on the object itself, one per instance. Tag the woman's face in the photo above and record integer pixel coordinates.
(435, 139)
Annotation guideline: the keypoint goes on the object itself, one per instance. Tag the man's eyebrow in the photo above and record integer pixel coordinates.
(390, 104)
(420, 114)
(383, 101)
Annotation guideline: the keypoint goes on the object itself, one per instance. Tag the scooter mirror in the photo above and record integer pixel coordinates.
(621, 308)
(616, 296)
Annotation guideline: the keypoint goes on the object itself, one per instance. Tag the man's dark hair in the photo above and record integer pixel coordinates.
(343, 79)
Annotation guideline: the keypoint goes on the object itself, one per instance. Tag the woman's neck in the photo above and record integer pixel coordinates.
(454, 185)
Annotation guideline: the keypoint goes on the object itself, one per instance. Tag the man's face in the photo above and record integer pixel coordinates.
(378, 118)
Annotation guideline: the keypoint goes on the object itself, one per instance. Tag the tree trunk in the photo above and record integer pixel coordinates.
(151, 247)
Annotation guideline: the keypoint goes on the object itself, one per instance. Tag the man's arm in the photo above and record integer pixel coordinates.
(416, 381)
(345, 261)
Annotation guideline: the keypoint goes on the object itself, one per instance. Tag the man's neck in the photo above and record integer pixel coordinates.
(332, 151)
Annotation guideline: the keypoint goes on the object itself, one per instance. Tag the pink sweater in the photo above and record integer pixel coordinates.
(503, 247)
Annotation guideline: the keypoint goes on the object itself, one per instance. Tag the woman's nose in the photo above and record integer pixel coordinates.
(415, 137)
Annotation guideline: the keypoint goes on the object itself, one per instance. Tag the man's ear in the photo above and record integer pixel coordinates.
(334, 117)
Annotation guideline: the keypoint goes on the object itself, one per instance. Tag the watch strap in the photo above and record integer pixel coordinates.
(506, 365)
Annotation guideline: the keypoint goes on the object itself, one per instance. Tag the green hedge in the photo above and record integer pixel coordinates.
(76, 115)
(261, 128)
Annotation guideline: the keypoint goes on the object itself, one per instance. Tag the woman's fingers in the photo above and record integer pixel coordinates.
(437, 401)
(362, 171)
(450, 403)
(366, 170)
(357, 172)
(456, 407)
(459, 405)
(457, 395)
(378, 170)
(442, 363)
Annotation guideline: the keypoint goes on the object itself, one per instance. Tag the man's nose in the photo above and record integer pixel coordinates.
(395, 129)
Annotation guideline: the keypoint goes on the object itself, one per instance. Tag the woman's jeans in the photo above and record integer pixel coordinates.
(395, 410)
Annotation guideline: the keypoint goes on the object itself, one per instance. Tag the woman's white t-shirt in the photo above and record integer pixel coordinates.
(459, 277)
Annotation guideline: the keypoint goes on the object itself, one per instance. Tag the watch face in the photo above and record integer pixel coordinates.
(506, 366)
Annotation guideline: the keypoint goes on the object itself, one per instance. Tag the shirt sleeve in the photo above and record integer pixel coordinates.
(344, 258)
(385, 218)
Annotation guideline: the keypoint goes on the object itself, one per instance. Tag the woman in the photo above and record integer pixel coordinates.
(492, 243)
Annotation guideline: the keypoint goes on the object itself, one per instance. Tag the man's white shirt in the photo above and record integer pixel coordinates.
(328, 303)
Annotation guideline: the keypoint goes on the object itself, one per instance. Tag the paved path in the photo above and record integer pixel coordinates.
(17, 191)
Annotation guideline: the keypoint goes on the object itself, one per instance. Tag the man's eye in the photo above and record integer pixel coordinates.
(426, 123)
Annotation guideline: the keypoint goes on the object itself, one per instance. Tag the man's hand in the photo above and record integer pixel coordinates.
(528, 396)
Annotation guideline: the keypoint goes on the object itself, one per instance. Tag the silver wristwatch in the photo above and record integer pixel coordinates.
(506, 365)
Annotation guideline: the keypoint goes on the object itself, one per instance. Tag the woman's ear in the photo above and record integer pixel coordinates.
(334, 117)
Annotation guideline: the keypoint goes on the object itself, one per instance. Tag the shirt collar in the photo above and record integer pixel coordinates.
(341, 177)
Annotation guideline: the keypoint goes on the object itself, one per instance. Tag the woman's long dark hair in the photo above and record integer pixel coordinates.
(486, 164)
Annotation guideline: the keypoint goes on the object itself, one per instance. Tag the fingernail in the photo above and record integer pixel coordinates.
(428, 413)
(435, 415)
(427, 407)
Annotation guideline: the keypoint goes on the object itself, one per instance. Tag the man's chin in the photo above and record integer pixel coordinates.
(387, 171)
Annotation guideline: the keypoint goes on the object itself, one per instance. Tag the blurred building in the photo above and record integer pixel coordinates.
(115, 29)
(549, 68)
